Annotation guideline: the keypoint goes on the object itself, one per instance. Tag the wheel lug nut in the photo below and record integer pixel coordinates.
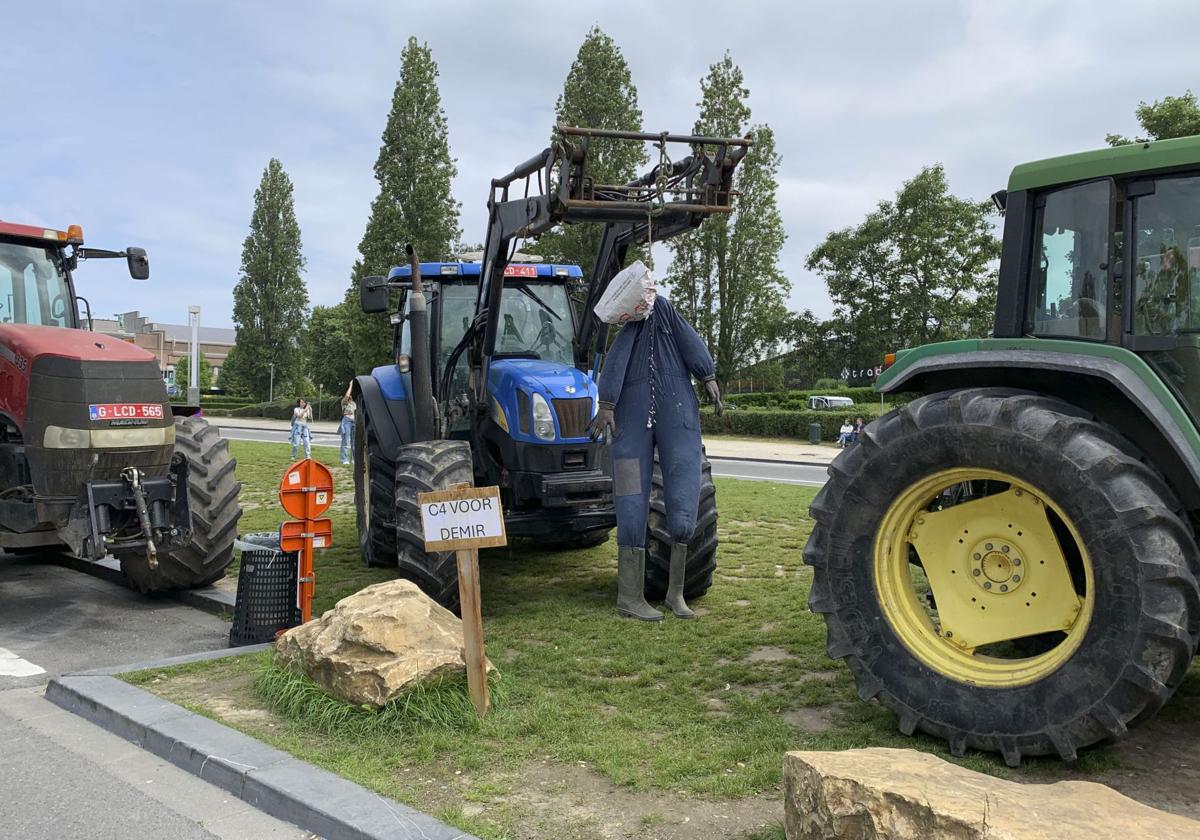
(988, 546)
(1003, 587)
(1016, 561)
(977, 556)
(1016, 578)
(1004, 548)
(975, 572)
(987, 584)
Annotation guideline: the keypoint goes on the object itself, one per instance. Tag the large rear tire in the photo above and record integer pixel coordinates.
(374, 492)
(702, 550)
(1003, 571)
(420, 468)
(213, 498)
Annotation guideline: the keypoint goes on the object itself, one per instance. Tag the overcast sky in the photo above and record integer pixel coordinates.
(150, 123)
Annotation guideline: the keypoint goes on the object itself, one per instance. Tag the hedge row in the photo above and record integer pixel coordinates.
(777, 423)
(281, 409)
(770, 399)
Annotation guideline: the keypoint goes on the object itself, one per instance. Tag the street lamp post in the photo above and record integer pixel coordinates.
(271, 387)
(194, 365)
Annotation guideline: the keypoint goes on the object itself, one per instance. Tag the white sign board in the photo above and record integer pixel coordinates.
(465, 517)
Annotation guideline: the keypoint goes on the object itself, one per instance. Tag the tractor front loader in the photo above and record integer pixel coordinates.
(92, 457)
(1009, 562)
(494, 373)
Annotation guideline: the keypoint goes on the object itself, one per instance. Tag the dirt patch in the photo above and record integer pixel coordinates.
(576, 802)
(768, 654)
(810, 719)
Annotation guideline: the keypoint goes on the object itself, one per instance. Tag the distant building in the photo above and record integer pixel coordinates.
(169, 342)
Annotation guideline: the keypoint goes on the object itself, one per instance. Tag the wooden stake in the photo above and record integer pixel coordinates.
(472, 621)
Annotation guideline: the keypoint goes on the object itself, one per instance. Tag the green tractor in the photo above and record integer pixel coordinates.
(1009, 561)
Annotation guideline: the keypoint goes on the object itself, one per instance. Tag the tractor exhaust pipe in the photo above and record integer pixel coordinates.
(424, 411)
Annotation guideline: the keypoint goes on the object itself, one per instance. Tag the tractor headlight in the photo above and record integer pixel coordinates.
(543, 420)
(58, 437)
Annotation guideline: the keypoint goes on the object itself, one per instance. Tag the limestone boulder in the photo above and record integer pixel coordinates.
(910, 795)
(376, 644)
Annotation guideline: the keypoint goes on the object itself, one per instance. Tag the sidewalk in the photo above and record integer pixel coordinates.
(323, 426)
(717, 446)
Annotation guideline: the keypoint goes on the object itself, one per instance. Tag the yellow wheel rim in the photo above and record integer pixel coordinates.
(976, 581)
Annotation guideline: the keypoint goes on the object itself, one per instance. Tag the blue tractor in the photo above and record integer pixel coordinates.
(493, 380)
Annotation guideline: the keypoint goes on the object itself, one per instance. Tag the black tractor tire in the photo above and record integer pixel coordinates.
(702, 550)
(420, 468)
(1145, 602)
(588, 539)
(213, 498)
(374, 494)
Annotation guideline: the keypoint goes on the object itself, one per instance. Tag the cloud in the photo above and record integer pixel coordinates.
(154, 128)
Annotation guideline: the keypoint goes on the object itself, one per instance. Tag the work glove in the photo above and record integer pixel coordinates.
(714, 394)
(602, 425)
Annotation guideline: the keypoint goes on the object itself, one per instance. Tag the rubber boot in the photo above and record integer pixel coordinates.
(678, 572)
(631, 583)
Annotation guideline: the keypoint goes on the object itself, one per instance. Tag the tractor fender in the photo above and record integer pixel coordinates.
(383, 396)
(1118, 387)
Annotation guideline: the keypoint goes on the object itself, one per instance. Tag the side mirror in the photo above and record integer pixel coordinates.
(373, 294)
(139, 263)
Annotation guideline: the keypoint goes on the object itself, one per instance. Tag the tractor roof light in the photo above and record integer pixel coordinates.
(889, 359)
(75, 235)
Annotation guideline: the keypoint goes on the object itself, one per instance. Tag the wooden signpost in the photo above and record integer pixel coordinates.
(306, 491)
(465, 519)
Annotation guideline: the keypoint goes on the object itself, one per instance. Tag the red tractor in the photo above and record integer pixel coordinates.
(92, 456)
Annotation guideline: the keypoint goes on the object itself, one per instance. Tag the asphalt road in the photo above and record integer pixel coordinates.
(61, 776)
(782, 472)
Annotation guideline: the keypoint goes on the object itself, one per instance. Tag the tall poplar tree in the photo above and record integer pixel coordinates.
(270, 300)
(414, 205)
(725, 276)
(598, 93)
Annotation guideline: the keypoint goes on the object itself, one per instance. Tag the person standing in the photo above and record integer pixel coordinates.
(347, 426)
(301, 434)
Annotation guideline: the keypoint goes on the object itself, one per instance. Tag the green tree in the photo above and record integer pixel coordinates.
(725, 276)
(1171, 116)
(270, 300)
(414, 205)
(919, 268)
(183, 368)
(327, 347)
(598, 93)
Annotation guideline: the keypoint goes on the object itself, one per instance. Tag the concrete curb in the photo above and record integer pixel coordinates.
(269, 779)
(769, 461)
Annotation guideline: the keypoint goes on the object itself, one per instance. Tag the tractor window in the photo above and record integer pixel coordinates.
(1167, 259)
(1069, 270)
(33, 286)
(535, 322)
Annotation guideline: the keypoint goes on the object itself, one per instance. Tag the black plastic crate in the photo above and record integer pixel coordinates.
(266, 591)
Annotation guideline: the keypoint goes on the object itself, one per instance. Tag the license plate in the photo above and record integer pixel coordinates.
(126, 411)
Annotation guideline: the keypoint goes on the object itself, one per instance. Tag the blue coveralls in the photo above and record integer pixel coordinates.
(647, 379)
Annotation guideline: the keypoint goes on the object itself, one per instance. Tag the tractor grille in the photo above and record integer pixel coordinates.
(573, 416)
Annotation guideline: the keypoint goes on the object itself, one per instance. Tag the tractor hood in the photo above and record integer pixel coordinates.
(551, 379)
(571, 393)
(28, 342)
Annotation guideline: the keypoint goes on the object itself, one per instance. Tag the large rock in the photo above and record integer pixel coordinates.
(377, 643)
(902, 794)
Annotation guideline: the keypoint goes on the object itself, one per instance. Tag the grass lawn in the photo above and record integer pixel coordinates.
(674, 729)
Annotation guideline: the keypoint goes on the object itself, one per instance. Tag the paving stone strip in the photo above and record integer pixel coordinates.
(269, 779)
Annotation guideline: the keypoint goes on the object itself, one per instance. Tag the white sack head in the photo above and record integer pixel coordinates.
(629, 297)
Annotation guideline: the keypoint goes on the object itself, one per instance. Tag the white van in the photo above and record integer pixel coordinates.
(819, 403)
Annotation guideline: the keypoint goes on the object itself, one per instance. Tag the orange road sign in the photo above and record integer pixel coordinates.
(293, 534)
(306, 490)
